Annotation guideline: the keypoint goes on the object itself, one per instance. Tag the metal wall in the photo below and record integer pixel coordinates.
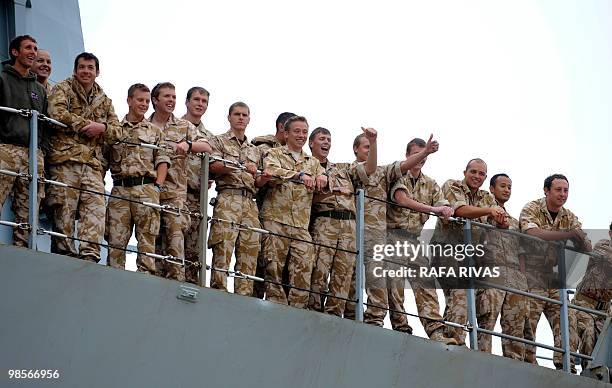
(102, 327)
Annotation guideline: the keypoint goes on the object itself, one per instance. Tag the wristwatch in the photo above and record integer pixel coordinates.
(301, 174)
(190, 144)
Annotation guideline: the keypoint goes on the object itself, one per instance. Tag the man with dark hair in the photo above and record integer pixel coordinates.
(264, 143)
(376, 182)
(42, 68)
(332, 224)
(182, 136)
(137, 173)
(19, 90)
(504, 251)
(197, 104)
(468, 201)
(236, 188)
(418, 195)
(286, 211)
(76, 158)
(594, 292)
(547, 219)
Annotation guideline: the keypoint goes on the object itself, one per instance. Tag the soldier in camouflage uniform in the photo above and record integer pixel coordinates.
(19, 90)
(236, 189)
(137, 173)
(197, 104)
(42, 68)
(332, 224)
(286, 211)
(505, 252)
(594, 292)
(418, 195)
(376, 182)
(547, 219)
(468, 201)
(182, 136)
(76, 157)
(264, 143)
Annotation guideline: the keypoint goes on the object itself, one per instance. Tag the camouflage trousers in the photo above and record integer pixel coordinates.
(455, 311)
(122, 216)
(553, 315)
(226, 239)
(588, 326)
(192, 238)
(171, 240)
(69, 204)
(299, 258)
(332, 263)
(15, 158)
(514, 320)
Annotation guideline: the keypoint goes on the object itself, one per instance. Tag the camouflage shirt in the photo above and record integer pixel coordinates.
(288, 202)
(338, 175)
(424, 190)
(596, 281)
(128, 160)
(194, 162)
(69, 104)
(175, 131)
(458, 194)
(377, 185)
(535, 215)
(227, 146)
(266, 142)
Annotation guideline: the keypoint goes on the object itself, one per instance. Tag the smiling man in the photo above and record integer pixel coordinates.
(549, 220)
(76, 157)
(286, 211)
(19, 90)
(42, 68)
(137, 174)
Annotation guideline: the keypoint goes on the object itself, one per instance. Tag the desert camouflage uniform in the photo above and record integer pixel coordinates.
(264, 143)
(377, 185)
(405, 224)
(235, 203)
(171, 239)
(133, 170)
(503, 251)
(541, 258)
(192, 251)
(77, 160)
(286, 210)
(458, 194)
(593, 292)
(333, 225)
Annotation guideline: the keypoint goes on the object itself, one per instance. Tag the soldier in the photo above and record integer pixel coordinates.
(19, 90)
(376, 182)
(264, 143)
(286, 211)
(76, 158)
(468, 201)
(418, 195)
(547, 219)
(332, 224)
(182, 136)
(236, 188)
(197, 104)
(138, 173)
(504, 251)
(594, 292)
(42, 68)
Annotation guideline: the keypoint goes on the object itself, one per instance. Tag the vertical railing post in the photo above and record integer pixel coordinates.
(33, 188)
(470, 295)
(564, 313)
(203, 233)
(359, 265)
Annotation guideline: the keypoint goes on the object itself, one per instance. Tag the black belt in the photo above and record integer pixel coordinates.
(243, 192)
(193, 191)
(336, 214)
(132, 181)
